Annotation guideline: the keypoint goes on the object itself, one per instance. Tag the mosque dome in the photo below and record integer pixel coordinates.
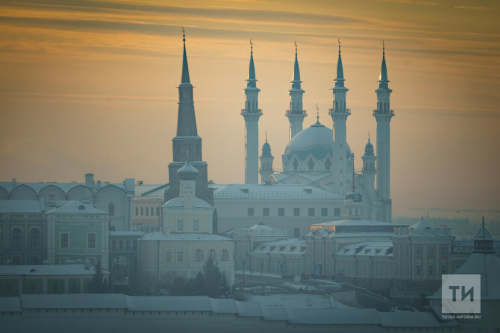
(316, 140)
(187, 172)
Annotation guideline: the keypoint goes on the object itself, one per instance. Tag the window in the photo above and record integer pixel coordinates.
(418, 270)
(180, 225)
(443, 269)
(281, 211)
(136, 211)
(265, 211)
(55, 287)
(196, 225)
(324, 211)
(168, 256)
(35, 237)
(111, 209)
(180, 256)
(157, 211)
(443, 250)
(250, 211)
(211, 254)
(17, 238)
(16, 260)
(296, 212)
(417, 250)
(34, 260)
(64, 240)
(120, 244)
(336, 211)
(198, 256)
(224, 256)
(296, 233)
(91, 241)
(310, 212)
(128, 244)
(142, 211)
(431, 250)
(431, 270)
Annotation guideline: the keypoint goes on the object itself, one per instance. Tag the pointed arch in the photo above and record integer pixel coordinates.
(23, 192)
(80, 191)
(52, 192)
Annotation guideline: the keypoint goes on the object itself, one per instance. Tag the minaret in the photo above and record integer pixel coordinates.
(383, 115)
(251, 113)
(353, 203)
(369, 172)
(339, 114)
(296, 114)
(187, 144)
(266, 163)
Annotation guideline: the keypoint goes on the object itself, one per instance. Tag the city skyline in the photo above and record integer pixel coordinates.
(91, 87)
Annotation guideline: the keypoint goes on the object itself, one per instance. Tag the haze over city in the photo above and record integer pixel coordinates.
(90, 86)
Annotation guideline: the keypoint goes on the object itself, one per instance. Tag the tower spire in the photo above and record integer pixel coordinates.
(251, 70)
(185, 69)
(296, 114)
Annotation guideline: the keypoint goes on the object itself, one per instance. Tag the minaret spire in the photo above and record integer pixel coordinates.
(383, 115)
(185, 69)
(296, 114)
(251, 113)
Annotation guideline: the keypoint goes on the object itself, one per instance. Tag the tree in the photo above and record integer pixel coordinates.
(98, 284)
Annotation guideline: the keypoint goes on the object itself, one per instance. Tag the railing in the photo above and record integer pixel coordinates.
(248, 111)
(304, 112)
(389, 112)
(332, 111)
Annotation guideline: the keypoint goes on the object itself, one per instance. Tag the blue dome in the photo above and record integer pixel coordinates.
(369, 149)
(187, 172)
(316, 140)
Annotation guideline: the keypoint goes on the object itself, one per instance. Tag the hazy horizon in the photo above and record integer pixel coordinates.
(90, 86)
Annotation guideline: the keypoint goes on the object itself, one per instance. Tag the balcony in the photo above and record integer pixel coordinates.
(248, 111)
(380, 112)
(304, 112)
(332, 111)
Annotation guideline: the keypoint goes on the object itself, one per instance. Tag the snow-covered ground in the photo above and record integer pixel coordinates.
(298, 301)
(258, 274)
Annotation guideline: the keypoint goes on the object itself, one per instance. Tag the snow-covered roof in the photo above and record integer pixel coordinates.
(73, 301)
(10, 304)
(156, 236)
(258, 230)
(168, 303)
(359, 223)
(275, 191)
(285, 246)
(179, 202)
(483, 234)
(126, 233)
(150, 190)
(379, 249)
(45, 270)
(21, 206)
(310, 176)
(223, 305)
(65, 187)
(422, 224)
(76, 207)
(486, 264)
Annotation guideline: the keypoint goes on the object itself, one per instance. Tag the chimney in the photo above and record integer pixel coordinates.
(98, 186)
(14, 182)
(89, 180)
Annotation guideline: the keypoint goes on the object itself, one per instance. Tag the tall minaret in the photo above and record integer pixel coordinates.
(251, 113)
(383, 115)
(339, 114)
(369, 172)
(187, 144)
(296, 114)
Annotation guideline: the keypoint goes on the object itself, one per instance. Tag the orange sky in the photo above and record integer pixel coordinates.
(91, 86)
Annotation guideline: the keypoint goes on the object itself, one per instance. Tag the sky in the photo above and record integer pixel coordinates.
(90, 86)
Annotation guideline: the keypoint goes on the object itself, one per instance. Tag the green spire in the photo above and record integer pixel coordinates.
(185, 69)
(339, 81)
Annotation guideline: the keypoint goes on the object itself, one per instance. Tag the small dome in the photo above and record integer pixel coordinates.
(187, 172)
(266, 150)
(369, 149)
(316, 140)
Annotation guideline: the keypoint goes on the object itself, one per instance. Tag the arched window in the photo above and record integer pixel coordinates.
(198, 256)
(34, 261)
(35, 237)
(224, 256)
(127, 244)
(111, 209)
(212, 255)
(113, 244)
(16, 260)
(120, 244)
(17, 238)
(310, 164)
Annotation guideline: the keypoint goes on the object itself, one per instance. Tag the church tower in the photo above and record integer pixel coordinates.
(383, 115)
(187, 144)
(296, 114)
(266, 163)
(339, 114)
(251, 113)
(369, 172)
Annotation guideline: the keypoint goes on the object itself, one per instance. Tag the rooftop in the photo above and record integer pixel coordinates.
(275, 191)
(156, 236)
